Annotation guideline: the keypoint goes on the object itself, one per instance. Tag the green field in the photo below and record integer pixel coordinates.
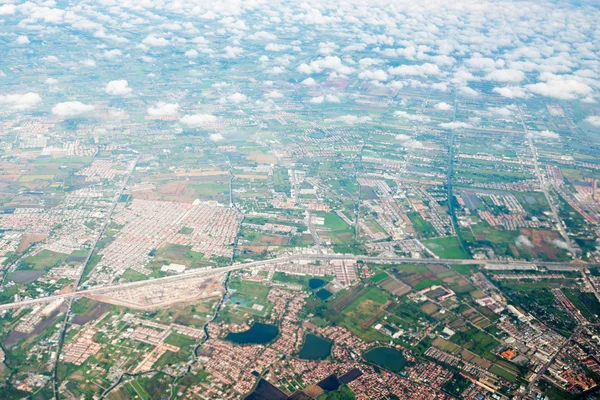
(335, 223)
(424, 228)
(31, 178)
(379, 277)
(343, 393)
(133, 276)
(252, 291)
(302, 280)
(45, 259)
(363, 312)
(501, 372)
(446, 247)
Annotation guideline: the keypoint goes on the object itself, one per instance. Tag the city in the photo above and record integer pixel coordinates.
(300, 200)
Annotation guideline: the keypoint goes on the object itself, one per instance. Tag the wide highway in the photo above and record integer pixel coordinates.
(308, 257)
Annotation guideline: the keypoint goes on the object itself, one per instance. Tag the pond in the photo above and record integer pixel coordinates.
(314, 348)
(386, 357)
(315, 283)
(26, 276)
(258, 333)
(324, 294)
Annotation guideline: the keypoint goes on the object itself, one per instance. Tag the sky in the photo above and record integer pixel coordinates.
(515, 49)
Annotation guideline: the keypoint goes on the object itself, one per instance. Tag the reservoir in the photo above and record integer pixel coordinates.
(258, 333)
(386, 357)
(314, 348)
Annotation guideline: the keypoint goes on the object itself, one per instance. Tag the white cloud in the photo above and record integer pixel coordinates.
(501, 111)
(112, 54)
(22, 40)
(415, 70)
(351, 119)
(216, 137)
(237, 98)
(155, 41)
(51, 81)
(20, 102)
(118, 88)
(309, 82)
(262, 35)
(191, 53)
(561, 88)
(544, 134)
(273, 94)
(593, 120)
(199, 120)
(325, 99)
(7, 9)
(523, 241)
(200, 40)
(220, 85)
(408, 142)
(232, 51)
(506, 75)
(70, 109)
(330, 62)
(51, 59)
(410, 117)
(484, 63)
(88, 63)
(468, 91)
(401, 137)
(162, 109)
(277, 47)
(455, 125)
(443, 106)
(373, 75)
(560, 244)
(511, 92)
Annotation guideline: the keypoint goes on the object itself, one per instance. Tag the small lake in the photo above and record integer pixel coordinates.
(324, 294)
(258, 333)
(315, 283)
(386, 357)
(314, 348)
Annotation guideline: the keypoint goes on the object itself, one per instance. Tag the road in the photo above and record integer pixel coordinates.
(313, 231)
(77, 282)
(544, 185)
(310, 257)
(543, 370)
(449, 177)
